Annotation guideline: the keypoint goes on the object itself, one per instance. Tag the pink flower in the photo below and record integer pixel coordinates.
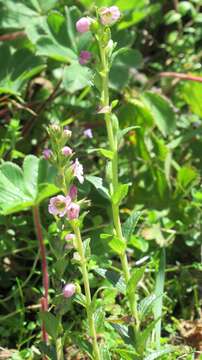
(73, 192)
(69, 237)
(88, 133)
(73, 211)
(47, 153)
(84, 57)
(59, 204)
(109, 15)
(78, 171)
(83, 25)
(66, 151)
(69, 290)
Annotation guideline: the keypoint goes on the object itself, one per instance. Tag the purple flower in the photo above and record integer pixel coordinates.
(69, 290)
(84, 57)
(88, 133)
(47, 153)
(73, 211)
(83, 25)
(109, 15)
(69, 237)
(59, 204)
(66, 151)
(78, 171)
(73, 192)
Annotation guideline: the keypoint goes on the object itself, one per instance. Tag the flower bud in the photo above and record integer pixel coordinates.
(69, 290)
(83, 24)
(47, 153)
(84, 57)
(73, 211)
(55, 128)
(73, 192)
(66, 151)
(69, 237)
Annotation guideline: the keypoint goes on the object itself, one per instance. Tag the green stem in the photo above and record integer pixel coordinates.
(113, 143)
(90, 315)
(59, 349)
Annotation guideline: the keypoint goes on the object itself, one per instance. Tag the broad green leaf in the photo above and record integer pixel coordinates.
(51, 324)
(76, 77)
(120, 193)
(117, 245)
(19, 67)
(26, 187)
(130, 224)
(161, 111)
(185, 178)
(191, 92)
(97, 182)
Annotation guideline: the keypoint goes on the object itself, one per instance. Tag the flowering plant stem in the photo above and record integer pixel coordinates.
(90, 316)
(39, 234)
(113, 143)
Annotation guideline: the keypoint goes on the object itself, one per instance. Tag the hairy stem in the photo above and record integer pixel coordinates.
(84, 270)
(113, 143)
(39, 234)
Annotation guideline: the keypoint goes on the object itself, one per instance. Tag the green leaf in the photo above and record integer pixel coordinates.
(97, 182)
(157, 354)
(135, 278)
(123, 132)
(123, 331)
(51, 324)
(107, 153)
(141, 337)
(194, 101)
(26, 187)
(113, 277)
(185, 178)
(76, 77)
(161, 111)
(130, 224)
(117, 245)
(19, 67)
(120, 193)
(145, 306)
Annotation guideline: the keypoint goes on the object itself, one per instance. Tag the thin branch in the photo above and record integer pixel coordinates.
(181, 76)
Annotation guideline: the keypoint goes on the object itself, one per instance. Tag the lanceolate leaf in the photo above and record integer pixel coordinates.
(157, 354)
(130, 224)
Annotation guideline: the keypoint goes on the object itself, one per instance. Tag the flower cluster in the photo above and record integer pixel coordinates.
(107, 17)
(64, 206)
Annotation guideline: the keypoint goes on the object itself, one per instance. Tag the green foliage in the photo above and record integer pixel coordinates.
(26, 187)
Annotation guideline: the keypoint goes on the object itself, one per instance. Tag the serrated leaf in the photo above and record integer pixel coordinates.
(76, 77)
(120, 193)
(145, 306)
